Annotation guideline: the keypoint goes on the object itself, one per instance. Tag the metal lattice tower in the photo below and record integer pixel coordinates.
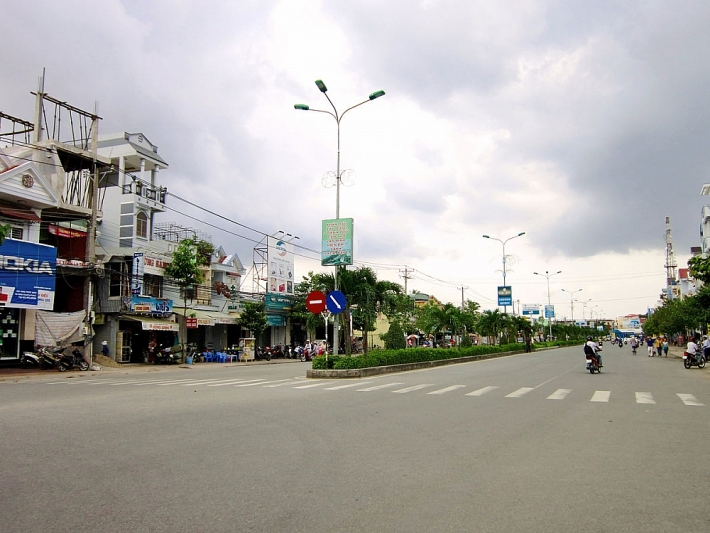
(671, 265)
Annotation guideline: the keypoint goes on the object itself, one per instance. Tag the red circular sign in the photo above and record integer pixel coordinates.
(315, 302)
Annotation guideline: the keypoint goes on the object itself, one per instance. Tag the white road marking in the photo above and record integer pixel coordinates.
(559, 394)
(72, 382)
(447, 389)
(285, 382)
(199, 382)
(481, 392)
(689, 399)
(311, 385)
(601, 396)
(415, 387)
(520, 392)
(187, 381)
(644, 397)
(159, 381)
(378, 387)
(262, 383)
(356, 384)
(233, 382)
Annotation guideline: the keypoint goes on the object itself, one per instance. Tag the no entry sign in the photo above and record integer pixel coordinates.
(315, 302)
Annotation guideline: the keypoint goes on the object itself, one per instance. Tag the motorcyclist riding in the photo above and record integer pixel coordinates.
(595, 349)
(693, 350)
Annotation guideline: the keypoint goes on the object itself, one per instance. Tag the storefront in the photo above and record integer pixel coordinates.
(211, 330)
(140, 336)
(9, 334)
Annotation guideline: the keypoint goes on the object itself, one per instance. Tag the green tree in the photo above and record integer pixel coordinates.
(394, 338)
(4, 231)
(700, 268)
(253, 318)
(491, 323)
(184, 270)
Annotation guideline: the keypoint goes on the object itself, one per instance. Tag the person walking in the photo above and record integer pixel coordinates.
(649, 345)
(658, 346)
(104, 349)
(665, 347)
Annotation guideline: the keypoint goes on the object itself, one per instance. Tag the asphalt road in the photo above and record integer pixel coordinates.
(528, 443)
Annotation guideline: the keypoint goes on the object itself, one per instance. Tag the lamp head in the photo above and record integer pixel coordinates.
(521, 234)
(303, 107)
(321, 86)
(486, 237)
(376, 94)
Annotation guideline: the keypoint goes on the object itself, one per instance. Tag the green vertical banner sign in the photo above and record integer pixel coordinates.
(337, 242)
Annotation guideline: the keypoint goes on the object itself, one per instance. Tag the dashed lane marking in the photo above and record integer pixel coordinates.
(601, 396)
(559, 394)
(689, 399)
(522, 391)
(645, 397)
(481, 392)
(447, 389)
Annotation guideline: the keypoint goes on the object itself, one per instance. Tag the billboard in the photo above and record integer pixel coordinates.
(505, 295)
(280, 258)
(549, 311)
(531, 309)
(337, 242)
(27, 275)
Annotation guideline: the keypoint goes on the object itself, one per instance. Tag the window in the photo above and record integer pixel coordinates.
(16, 233)
(142, 225)
(120, 280)
(152, 286)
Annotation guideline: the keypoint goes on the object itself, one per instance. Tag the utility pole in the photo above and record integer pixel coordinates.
(406, 275)
(462, 289)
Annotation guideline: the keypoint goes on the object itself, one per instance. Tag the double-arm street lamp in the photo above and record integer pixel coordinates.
(548, 276)
(505, 308)
(338, 177)
(571, 300)
(584, 307)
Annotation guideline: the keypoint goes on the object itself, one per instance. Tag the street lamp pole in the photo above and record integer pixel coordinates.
(505, 307)
(571, 300)
(548, 276)
(338, 178)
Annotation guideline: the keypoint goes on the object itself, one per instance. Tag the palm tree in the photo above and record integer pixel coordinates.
(491, 323)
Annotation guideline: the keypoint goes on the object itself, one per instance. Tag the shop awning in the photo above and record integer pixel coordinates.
(24, 214)
(152, 324)
(211, 318)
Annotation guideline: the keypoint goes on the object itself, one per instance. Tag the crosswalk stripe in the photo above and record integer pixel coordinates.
(311, 385)
(259, 383)
(232, 382)
(689, 399)
(356, 384)
(378, 387)
(71, 382)
(601, 396)
(481, 392)
(415, 387)
(285, 382)
(559, 394)
(447, 389)
(184, 381)
(522, 391)
(644, 397)
(159, 381)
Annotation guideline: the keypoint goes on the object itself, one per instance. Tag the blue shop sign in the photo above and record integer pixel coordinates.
(27, 275)
(150, 305)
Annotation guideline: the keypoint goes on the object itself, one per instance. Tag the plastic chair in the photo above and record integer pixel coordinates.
(209, 356)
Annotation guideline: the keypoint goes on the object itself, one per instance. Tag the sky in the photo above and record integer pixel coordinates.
(583, 124)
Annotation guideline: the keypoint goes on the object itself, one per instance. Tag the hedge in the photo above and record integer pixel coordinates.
(419, 355)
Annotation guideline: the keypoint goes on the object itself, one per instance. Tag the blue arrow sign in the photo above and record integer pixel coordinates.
(335, 302)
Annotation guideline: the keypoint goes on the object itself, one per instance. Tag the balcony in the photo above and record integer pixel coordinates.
(705, 211)
(147, 195)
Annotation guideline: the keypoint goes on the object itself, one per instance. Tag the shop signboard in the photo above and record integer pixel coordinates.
(27, 275)
(280, 259)
(137, 274)
(154, 265)
(275, 320)
(531, 309)
(337, 242)
(191, 323)
(505, 295)
(151, 306)
(278, 302)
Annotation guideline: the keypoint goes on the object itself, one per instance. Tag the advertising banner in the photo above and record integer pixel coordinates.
(337, 242)
(505, 295)
(150, 305)
(137, 274)
(275, 320)
(27, 275)
(280, 259)
(531, 309)
(277, 302)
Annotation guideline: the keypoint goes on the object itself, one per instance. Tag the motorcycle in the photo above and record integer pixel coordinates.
(592, 365)
(44, 358)
(260, 354)
(690, 360)
(69, 361)
(277, 351)
(165, 356)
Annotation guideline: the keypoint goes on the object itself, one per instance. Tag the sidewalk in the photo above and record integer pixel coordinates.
(16, 373)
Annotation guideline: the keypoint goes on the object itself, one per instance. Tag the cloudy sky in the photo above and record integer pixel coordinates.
(583, 124)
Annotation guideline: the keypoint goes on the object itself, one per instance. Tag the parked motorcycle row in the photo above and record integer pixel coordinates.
(47, 358)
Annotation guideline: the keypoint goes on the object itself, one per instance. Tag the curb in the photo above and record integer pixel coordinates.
(353, 373)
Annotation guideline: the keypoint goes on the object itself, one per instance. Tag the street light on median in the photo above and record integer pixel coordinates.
(338, 177)
(571, 300)
(505, 307)
(548, 276)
